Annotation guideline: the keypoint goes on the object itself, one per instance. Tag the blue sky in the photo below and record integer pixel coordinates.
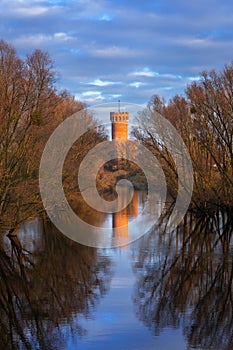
(128, 50)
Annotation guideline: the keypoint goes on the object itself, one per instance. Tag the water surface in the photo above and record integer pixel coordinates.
(167, 290)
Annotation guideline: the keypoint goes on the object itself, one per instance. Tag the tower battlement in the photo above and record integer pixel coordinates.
(119, 117)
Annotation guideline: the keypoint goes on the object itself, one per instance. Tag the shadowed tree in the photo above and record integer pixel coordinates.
(184, 279)
(45, 286)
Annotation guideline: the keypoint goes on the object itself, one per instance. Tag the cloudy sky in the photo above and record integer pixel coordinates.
(107, 50)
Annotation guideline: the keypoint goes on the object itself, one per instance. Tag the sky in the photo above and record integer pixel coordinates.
(128, 50)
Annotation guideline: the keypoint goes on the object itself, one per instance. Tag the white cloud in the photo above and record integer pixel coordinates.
(39, 39)
(91, 93)
(33, 40)
(171, 76)
(90, 96)
(145, 72)
(99, 82)
(167, 88)
(93, 97)
(197, 78)
(116, 95)
(138, 47)
(63, 36)
(114, 52)
(195, 42)
(105, 18)
(74, 51)
(136, 84)
(30, 11)
(27, 8)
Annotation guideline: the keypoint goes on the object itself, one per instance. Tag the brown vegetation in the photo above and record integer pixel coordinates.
(204, 120)
(30, 109)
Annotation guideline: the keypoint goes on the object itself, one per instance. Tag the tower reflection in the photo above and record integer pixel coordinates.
(121, 218)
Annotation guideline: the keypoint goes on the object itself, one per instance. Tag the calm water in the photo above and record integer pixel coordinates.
(167, 290)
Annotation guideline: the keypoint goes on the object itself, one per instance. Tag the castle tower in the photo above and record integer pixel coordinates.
(119, 125)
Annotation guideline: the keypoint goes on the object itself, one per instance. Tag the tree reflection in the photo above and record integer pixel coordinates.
(185, 280)
(43, 291)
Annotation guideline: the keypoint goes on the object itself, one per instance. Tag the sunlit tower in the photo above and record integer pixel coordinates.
(119, 124)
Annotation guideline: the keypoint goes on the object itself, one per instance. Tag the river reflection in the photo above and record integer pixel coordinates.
(167, 290)
(46, 282)
(184, 280)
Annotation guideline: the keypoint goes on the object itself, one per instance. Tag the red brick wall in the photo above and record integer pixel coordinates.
(119, 131)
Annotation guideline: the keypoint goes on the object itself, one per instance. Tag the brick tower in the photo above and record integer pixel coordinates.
(119, 124)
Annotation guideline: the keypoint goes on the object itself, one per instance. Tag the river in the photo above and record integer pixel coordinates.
(167, 290)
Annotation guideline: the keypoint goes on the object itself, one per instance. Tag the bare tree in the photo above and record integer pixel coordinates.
(30, 110)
